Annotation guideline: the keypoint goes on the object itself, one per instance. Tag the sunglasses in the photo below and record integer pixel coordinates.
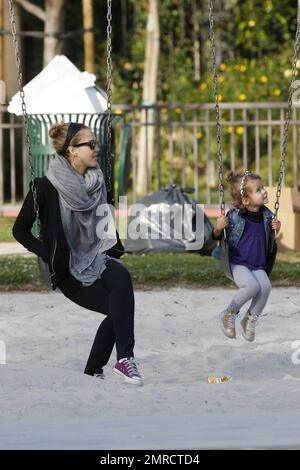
(92, 144)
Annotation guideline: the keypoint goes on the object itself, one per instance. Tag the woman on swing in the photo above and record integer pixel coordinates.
(81, 256)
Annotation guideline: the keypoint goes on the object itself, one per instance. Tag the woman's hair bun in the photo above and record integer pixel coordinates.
(56, 130)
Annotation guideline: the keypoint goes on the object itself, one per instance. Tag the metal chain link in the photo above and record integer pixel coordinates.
(109, 96)
(217, 107)
(24, 110)
(287, 118)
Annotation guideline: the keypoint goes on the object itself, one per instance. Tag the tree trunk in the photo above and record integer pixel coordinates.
(149, 97)
(196, 43)
(88, 38)
(1, 43)
(124, 24)
(53, 17)
(182, 22)
(54, 22)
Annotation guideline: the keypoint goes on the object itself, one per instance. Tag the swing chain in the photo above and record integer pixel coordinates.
(24, 111)
(217, 107)
(109, 95)
(287, 118)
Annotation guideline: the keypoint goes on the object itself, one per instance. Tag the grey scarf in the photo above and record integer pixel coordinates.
(79, 198)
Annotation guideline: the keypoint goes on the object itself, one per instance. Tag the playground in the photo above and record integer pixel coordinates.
(149, 193)
(48, 403)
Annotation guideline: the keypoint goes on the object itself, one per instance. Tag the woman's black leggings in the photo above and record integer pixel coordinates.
(113, 296)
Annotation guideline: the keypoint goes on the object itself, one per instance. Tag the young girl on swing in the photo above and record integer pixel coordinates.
(248, 228)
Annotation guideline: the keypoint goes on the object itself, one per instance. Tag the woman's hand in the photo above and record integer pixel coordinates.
(276, 224)
(222, 222)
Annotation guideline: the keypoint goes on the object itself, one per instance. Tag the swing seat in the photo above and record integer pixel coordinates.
(224, 258)
(289, 215)
(216, 253)
(221, 253)
(272, 253)
(44, 272)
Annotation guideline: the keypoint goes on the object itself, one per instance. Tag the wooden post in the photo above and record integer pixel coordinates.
(88, 37)
(2, 100)
(149, 97)
(1, 161)
(124, 24)
(289, 216)
(1, 39)
(196, 43)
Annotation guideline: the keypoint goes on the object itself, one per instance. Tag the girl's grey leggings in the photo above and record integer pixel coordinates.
(253, 285)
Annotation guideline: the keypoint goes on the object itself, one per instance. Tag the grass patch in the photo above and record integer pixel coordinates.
(6, 224)
(20, 273)
(153, 271)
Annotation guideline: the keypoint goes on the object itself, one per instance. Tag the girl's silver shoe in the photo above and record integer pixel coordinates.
(248, 326)
(228, 318)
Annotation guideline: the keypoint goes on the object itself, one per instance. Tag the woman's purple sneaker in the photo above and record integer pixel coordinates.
(127, 369)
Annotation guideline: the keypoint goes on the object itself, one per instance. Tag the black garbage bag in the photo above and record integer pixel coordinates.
(169, 222)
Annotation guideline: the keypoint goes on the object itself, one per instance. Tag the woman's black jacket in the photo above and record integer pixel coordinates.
(53, 247)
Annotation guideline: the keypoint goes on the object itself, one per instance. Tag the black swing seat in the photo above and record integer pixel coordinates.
(44, 272)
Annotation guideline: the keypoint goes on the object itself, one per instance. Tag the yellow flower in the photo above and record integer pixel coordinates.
(243, 68)
(118, 111)
(242, 97)
(199, 135)
(177, 110)
(128, 66)
(223, 67)
(203, 86)
(239, 130)
(277, 92)
(251, 23)
(220, 97)
(252, 79)
(221, 78)
(287, 73)
(164, 110)
(264, 79)
(229, 129)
